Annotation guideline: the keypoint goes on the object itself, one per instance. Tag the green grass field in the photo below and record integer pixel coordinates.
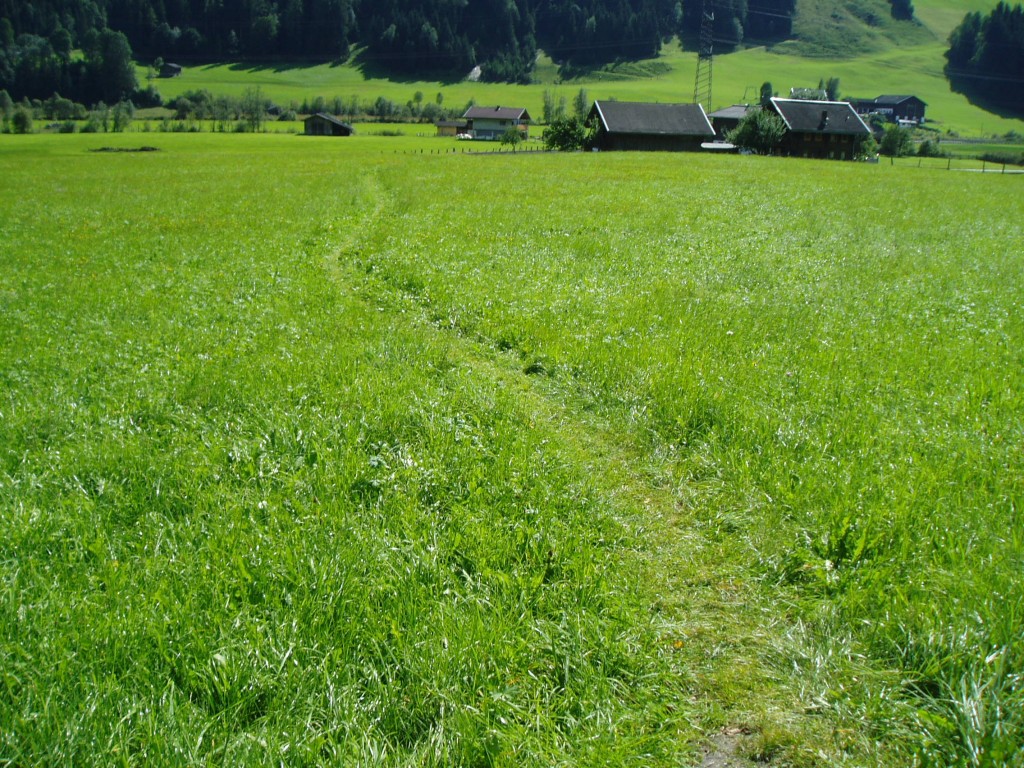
(894, 60)
(326, 452)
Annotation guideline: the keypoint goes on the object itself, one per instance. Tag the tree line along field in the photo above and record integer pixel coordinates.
(319, 452)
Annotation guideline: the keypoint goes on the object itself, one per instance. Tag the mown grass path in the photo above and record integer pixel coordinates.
(720, 632)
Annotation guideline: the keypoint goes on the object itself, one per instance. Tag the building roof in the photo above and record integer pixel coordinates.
(890, 99)
(735, 112)
(653, 119)
(328, 118)
(497, 113)
(832, 117)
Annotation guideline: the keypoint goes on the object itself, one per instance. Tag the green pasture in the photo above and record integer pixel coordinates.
(334, 452)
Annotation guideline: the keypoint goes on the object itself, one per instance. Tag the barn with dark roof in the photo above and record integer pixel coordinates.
(625, 125)
(821, 129)
(322, 124)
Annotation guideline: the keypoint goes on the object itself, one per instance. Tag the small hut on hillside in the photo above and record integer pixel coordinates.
(322, 124)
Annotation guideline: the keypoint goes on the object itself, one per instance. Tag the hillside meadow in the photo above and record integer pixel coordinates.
(909, 61)
(336, 452)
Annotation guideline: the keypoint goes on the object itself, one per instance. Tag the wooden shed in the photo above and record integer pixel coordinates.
(451, 127)
(322, 124)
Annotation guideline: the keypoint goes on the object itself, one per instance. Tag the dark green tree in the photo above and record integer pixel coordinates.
(766, 94)
(512, 137)
(902, 9)
(566, 134)
(580, 105)
(253, 108)
(986, 57)
(832, 89)
(761, 132)
(896, 142)
(21, 121)
(109, 69)
(6, 105)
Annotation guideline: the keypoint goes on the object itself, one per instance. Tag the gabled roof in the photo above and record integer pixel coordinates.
(832, 117)
(328, 118)
(894, 99)
(735, 112)
(497, 113)
(653, 119)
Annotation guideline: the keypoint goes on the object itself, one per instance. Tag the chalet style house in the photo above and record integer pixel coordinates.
(492, 122)
(624, 125)
(820, 129)
(894, 108)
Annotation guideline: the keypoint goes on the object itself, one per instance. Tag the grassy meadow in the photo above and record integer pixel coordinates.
(334, 452)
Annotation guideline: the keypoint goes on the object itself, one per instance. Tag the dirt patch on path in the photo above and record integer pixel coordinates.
(723, 748)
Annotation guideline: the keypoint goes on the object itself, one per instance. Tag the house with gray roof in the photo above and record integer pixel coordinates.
(638, 126)
(820, 129)
(492, 122)
(893, 107)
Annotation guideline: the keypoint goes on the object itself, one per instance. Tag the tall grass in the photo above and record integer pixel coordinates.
(828, 356)
(317, 452)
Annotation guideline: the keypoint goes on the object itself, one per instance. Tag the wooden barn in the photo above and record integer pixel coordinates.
(829, 130)
(625, 125)
(322, 124)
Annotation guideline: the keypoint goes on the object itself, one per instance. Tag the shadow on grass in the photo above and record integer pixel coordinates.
(374, 66)
(987, 93)
(277, 66)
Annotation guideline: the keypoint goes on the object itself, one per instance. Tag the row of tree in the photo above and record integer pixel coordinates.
(986, 57)
(35, 66)
(449, 37)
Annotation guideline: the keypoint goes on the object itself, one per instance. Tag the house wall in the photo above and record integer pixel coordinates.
(490, 128)
(912, 109)
(821, 146)
(622, 142)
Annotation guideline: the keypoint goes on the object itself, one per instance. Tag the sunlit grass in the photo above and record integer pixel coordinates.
(335, 451)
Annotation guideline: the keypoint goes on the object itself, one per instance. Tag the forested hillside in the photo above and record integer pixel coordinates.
(502, 37)
(84, 49)
(986, 57)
